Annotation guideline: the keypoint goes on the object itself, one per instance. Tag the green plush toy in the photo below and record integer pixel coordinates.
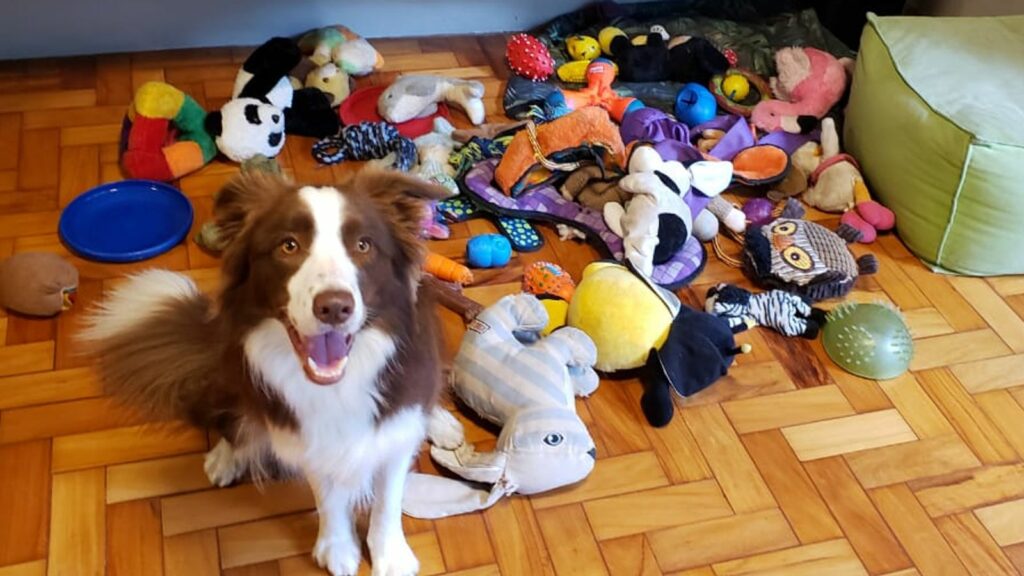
(625, 316)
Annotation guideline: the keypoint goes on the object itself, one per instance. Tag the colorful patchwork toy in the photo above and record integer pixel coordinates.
(161, 113)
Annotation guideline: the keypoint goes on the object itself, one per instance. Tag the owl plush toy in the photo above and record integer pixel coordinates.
(803, 257)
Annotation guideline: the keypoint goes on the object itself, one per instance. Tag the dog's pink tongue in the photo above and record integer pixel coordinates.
(328, 349)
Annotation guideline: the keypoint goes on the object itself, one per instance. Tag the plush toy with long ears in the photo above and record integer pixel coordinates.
(505, 372)
(808, 85)
(836, 185)
(599, 77)
(664, 210)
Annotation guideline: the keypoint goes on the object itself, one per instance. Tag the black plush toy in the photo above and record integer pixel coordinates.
(265, 106)
(698, 351)
(695, 60)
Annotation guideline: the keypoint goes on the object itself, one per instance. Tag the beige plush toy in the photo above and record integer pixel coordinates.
(37, 283)
(331, 80)
(836, 185)
(802, 162)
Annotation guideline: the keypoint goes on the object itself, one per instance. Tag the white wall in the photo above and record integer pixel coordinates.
(35, 28)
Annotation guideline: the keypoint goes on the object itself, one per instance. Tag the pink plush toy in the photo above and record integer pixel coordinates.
(809, 83)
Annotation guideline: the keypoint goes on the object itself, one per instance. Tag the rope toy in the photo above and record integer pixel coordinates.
(366, 141)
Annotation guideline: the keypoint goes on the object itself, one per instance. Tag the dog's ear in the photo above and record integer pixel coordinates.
(403, 198)
(243, 199)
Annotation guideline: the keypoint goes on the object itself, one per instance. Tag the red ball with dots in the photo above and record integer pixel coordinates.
(529, 57)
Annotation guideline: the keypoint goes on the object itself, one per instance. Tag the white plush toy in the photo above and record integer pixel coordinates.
(662, 196)
(417, 95)
(508, 374)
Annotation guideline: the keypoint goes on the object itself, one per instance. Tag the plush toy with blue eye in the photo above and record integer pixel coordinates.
(804, 257)
(510, 375)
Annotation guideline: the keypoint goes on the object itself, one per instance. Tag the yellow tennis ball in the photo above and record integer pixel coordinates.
(735, 87)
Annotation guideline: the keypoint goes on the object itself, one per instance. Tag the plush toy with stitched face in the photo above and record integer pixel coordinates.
(664, 210)
(509, 375)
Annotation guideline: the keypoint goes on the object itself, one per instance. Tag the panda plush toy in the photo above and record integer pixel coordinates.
(264, 106)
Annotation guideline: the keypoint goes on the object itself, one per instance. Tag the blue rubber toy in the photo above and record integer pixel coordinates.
(488, 251)
(695, 105)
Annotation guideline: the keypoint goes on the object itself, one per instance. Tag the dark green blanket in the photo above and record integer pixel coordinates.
(754, 29)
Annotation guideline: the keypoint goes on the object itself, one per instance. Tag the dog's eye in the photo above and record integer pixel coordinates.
(364, 244)
(289, 246)
(553, 439)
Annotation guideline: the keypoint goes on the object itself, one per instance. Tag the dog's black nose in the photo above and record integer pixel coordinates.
(333, 306)
(593, 453)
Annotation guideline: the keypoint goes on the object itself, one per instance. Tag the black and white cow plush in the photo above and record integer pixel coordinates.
(265, 106)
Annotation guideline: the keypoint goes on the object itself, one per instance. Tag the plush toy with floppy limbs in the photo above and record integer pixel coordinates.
(265, 106)
(417, 95)
(508, 374)
(808, 85)
(665, 210)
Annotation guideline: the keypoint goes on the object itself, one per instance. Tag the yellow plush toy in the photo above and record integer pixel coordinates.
(622, 313)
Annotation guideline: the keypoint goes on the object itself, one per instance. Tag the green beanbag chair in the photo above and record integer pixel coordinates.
(936, 120)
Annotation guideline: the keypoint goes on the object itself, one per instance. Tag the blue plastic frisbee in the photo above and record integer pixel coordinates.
(126, 221)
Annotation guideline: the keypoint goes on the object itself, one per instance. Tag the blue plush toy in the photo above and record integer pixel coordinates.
(488, 251)
(695, 105)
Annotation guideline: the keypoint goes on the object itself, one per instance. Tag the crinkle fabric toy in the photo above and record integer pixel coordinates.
(161, 113)
(417, 95)
(784, 312)
(804, 257)
(506, 373)
(529, 57)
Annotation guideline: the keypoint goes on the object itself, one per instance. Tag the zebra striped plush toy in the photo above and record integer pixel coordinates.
(782, 311)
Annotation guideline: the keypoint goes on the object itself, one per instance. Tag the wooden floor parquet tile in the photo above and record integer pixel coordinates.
(787, 466)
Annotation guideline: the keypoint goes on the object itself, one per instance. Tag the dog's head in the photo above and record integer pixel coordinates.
(327, 262)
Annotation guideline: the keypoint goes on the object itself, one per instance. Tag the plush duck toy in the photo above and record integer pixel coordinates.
(505, 372)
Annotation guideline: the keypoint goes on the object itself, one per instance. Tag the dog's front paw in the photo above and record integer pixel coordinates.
(395, 559)
(444, 430)
(221, 465)
(338, 556)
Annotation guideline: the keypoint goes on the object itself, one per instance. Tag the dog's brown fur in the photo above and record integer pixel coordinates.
(185, 360)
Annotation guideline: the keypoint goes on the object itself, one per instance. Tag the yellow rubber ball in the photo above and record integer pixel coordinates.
(735, 87)
(582, 47)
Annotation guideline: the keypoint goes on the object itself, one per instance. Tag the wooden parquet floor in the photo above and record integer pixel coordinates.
(787, 466)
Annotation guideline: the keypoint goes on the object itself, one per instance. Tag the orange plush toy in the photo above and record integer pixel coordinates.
(599, 92)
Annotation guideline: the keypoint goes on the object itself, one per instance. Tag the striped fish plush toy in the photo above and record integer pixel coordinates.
(505, 372)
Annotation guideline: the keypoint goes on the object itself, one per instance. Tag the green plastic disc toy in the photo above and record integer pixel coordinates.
(868, 340)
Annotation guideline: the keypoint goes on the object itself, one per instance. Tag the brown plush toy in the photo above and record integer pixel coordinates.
(37, 283)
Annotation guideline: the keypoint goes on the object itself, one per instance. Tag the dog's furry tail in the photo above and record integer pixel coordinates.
(155, 346)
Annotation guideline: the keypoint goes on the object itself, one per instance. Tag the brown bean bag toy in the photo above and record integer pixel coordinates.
(37, 283)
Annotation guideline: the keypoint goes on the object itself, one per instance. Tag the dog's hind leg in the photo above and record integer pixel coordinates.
(226, 462)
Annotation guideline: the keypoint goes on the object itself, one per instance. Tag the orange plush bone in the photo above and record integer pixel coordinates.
(598, 92)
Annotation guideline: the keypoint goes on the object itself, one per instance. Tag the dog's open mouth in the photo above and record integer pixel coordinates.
(323, 356)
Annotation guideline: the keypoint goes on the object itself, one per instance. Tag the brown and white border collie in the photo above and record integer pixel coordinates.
(318, 356)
